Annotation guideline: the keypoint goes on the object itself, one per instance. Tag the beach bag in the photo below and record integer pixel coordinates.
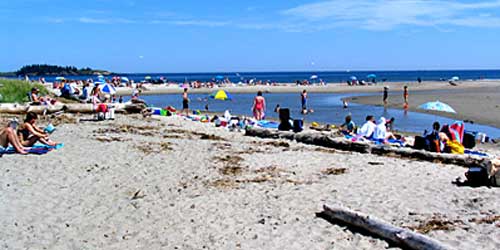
(284, 114)
(421, 143)
(298, 126)
(477, 176)
(469, 140)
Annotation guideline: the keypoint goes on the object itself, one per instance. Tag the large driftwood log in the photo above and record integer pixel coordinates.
(70, 108)
(396, 235)
(325, 140)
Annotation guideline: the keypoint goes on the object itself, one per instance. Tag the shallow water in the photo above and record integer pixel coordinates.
(327, 109)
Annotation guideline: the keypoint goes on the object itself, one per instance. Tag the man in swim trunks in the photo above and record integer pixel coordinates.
(185, 101)
(8, 136)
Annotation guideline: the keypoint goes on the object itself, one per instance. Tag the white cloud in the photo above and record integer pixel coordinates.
(203, 23)
(91, 20)
(388, 14)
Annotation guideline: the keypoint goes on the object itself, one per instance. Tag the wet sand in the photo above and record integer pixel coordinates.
(477, 104)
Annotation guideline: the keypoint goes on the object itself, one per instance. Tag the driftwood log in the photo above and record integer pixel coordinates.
(69, 108)
(395, 235)
(340, 143)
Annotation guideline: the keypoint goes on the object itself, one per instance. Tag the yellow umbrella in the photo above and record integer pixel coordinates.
(220, 95)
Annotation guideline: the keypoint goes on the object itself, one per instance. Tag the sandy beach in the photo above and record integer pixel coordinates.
(329, 88)
(480, 104)
(176, 184)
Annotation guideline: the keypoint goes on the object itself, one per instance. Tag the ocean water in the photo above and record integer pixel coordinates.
(327, 76)
(327, 108)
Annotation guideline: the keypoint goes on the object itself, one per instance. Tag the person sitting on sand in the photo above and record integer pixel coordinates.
(8, 136)
(381, 134)
(29, 133)
(368, 128)
(259, 106)
(39, 100)
(348, 126)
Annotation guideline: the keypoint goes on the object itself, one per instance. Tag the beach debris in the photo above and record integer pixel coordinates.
(399, 236)
(138, 195)
(334, 171)
(110, 139)
(435, 224)
(375, 163)
(211, 137)
(155, 148)
(278, 144)
(490, 219)
(231, 170)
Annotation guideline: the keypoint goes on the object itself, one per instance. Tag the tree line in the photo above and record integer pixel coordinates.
(45, 69)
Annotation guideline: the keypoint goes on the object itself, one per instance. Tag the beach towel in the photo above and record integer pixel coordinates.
(457, 131)
(472, 152)
(36, 151)
(267, 124)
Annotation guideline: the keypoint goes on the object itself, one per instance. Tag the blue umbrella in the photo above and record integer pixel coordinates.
(371, 76)
(107, 88)
(219, 77)
(437, 106)
(353, 78)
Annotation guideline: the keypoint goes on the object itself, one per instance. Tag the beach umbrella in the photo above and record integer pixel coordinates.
(371, 76)
(147, 77)
(455, 78)
(125, 79)
(353, 78)
(437, 106)
(313, 77)
(219, 77)
(220, 95)
(107, 88)
(60, 78)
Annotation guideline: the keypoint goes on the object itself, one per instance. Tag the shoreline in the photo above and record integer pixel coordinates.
(329, 88)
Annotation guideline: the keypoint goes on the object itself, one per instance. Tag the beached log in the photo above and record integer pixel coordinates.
(395, 235)
(69, 108)
(325, 140)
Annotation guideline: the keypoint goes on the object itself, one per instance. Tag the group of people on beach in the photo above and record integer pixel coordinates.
(24, 136)
(379, 131)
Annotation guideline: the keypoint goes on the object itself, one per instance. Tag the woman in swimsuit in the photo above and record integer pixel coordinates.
(259, 106)
(29, 133)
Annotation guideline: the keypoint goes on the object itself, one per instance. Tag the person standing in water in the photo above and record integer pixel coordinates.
(386, 94)
(185, 101)
(405, 96)
(259, 106)
(303, 98)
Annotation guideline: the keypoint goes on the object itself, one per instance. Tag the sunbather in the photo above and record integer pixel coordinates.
(8, 136)
(381, 132)
(29, 133)
(368, 128)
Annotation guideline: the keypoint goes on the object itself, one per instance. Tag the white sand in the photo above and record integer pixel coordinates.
(80, 197)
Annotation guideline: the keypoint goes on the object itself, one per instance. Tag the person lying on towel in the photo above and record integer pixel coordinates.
(29, 133)
(8, 136)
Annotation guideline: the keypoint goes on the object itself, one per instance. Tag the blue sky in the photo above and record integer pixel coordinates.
(259, 35)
